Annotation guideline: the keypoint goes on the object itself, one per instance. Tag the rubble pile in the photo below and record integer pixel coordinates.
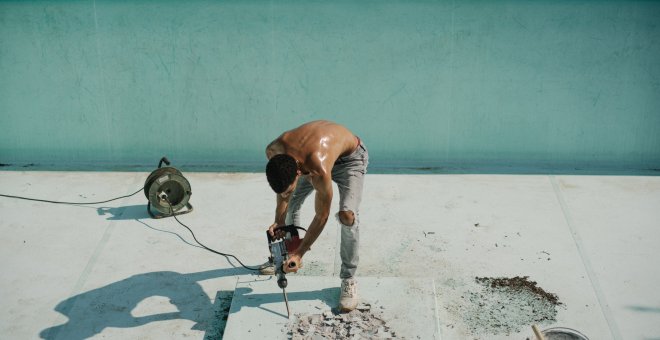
(504, 305)
(364, 322)
(518, 284)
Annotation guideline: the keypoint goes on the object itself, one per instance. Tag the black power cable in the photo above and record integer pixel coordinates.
(203, 246)
(70, 203)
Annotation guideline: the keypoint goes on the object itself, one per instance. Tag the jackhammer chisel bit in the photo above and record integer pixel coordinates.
(286, 302)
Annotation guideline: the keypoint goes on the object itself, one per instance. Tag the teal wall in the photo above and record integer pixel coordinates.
(464, 84)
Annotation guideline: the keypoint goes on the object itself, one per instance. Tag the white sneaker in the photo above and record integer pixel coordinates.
(267, 268)
(348, 298)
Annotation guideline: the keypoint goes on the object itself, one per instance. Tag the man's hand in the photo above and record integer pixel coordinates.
(276, 234)
(293, 263)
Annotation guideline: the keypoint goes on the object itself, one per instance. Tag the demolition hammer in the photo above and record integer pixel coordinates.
(279, 254)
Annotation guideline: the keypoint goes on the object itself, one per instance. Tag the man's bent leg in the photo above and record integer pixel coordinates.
(350, 242)
(348, 172)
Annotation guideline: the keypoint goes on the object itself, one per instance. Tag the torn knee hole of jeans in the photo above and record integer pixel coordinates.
(339, 219)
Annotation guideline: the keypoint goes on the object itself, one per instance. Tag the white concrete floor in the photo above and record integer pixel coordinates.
(109, 271)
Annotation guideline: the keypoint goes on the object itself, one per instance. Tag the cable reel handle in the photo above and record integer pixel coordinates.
(163, 160)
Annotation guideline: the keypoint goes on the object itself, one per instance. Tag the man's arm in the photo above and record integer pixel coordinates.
(280, 215)
(323, 198)
(280, 209)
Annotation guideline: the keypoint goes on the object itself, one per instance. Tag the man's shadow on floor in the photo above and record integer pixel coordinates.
(89, 313)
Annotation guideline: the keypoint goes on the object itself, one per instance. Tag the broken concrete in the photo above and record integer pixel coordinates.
(389, 308)
(361, 323)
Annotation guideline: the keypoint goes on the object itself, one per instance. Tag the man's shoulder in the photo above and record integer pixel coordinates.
(274, 148)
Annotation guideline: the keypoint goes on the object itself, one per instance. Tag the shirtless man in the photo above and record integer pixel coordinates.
(308, 158)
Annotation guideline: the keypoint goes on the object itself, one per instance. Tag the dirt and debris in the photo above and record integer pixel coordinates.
(365, 322)
(518, 284)
(503, 305)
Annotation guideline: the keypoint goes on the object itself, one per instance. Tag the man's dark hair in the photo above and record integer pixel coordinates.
(281, 171)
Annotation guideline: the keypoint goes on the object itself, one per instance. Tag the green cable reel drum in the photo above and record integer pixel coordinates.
(167, 191)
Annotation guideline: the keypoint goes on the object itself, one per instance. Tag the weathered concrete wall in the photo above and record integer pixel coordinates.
(554, 84)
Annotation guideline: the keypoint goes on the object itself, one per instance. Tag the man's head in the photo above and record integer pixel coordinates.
(281, 172)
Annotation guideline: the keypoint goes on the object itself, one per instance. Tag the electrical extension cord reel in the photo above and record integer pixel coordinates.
(167, 191)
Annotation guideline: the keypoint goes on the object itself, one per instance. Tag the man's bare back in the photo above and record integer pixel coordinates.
(315, 145)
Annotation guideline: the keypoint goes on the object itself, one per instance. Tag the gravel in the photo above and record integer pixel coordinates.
(365, 322)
